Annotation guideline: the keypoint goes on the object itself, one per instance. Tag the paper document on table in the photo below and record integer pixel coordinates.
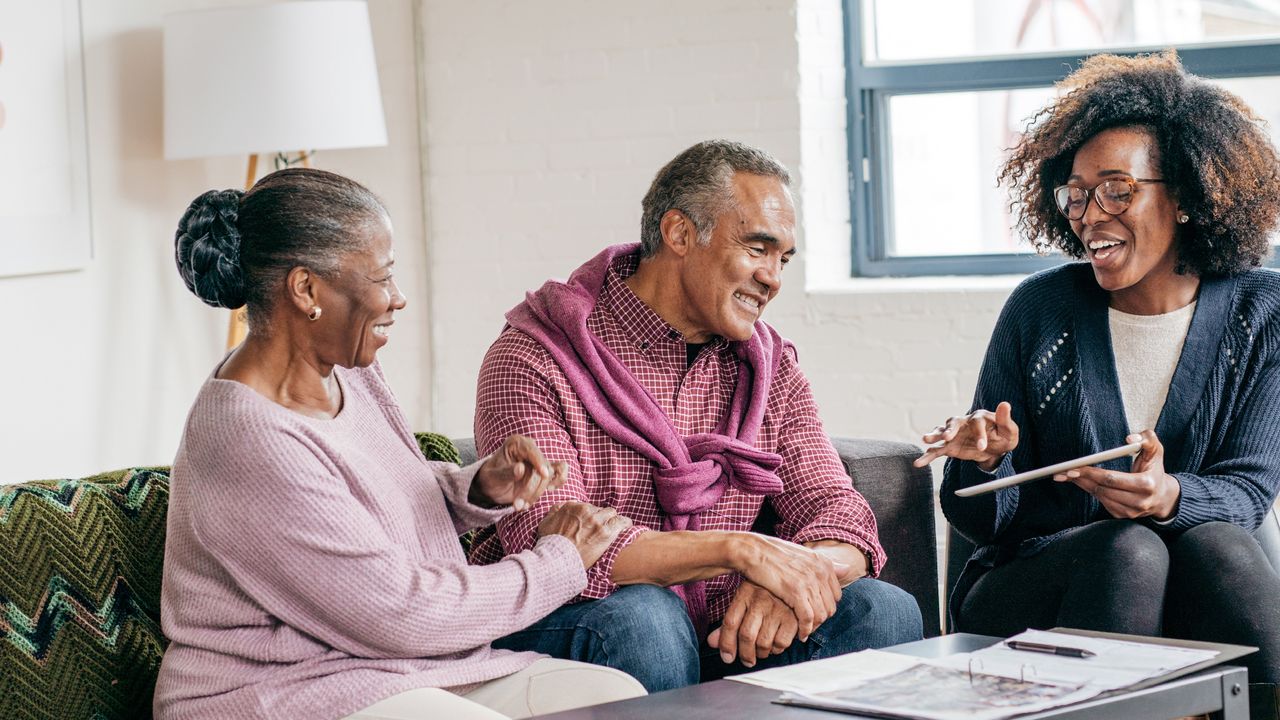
(927, 691)
(839, 671)
(1115, 664)
(997, 682)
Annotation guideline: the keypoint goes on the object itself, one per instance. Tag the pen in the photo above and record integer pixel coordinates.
(1050, 649)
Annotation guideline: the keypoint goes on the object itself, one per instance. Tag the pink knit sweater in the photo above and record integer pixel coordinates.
(312, 567)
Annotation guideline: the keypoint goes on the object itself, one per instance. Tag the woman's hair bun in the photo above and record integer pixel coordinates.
(207, 249)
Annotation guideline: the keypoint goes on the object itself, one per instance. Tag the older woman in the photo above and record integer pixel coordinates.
(1168, 334)
(312, 567)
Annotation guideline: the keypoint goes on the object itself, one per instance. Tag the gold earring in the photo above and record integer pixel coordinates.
(1183, 218)
(314, 315)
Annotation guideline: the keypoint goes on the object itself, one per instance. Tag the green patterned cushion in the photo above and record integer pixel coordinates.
(438, 447)
(80, 564)
(80, 568)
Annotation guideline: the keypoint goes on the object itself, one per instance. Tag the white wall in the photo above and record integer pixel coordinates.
(101, 365)
(545, 123)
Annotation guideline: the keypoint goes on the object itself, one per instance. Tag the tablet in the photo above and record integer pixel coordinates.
(1094, 459)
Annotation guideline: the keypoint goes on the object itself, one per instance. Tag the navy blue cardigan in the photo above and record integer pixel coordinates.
(1050, 356)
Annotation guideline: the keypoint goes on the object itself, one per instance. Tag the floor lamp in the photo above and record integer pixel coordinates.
(267, 80)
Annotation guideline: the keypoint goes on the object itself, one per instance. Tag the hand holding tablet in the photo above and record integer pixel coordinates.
(1094, 459)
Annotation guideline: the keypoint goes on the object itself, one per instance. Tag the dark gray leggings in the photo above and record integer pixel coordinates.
(1212, 583)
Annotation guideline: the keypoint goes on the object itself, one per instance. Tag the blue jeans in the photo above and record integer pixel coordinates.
(644, 631)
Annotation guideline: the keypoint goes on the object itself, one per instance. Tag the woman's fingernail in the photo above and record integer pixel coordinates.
(1059, 478)
(1073, 473)
(518, 504)
(726, 657)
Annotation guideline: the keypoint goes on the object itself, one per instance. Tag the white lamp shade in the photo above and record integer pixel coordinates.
(271, 78)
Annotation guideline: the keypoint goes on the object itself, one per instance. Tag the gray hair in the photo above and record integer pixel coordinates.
(234, 248)
(698, 183)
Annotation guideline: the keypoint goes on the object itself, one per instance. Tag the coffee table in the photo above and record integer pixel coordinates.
(1222, 692)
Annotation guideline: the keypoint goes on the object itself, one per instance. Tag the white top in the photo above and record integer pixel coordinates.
(1147, 348)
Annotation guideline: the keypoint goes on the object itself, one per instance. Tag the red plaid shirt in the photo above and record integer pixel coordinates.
(522, 390)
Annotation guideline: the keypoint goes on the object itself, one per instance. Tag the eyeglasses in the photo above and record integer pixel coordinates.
(1113, 196)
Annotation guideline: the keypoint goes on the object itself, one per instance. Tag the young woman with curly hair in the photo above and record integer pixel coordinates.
(1168, 334)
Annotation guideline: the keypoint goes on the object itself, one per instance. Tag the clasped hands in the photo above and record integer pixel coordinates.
(784, 596)
(985, 437)
(788, 589)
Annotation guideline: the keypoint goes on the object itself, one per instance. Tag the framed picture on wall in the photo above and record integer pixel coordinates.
(44, 178)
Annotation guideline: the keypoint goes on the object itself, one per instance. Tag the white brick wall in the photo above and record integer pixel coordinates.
(546, 122)
(103, 363)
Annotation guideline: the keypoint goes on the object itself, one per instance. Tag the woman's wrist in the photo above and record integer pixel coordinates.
(991, 464)
(1173, 492)
(476, 494)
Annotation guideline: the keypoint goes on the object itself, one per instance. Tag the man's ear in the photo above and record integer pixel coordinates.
(300, 287)
(678, 232)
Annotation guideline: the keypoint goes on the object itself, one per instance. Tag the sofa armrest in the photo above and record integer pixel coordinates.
(901, 497)
(466, 450)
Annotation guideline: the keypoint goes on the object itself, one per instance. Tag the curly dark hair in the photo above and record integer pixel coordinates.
(1213, 152)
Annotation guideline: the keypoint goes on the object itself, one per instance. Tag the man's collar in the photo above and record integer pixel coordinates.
(644, 327)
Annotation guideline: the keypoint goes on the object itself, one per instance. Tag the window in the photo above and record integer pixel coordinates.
(938, 91)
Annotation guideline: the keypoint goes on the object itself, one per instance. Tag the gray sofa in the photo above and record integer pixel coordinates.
(901, 497)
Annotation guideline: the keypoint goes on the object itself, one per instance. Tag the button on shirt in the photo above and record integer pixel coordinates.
(522, 390)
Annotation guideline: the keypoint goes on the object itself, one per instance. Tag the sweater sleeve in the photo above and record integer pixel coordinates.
(455, 482)
(1238, 483)
(514, 396)
(290, 533)
(819, 502)
(983, 517)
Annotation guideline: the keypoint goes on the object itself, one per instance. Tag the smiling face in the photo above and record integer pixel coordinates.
(727, 283)
(359, 302)
(1134, 253)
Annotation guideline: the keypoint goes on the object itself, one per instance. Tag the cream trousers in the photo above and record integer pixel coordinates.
(546, 686)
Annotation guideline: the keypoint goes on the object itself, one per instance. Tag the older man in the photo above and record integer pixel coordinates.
(651, 377)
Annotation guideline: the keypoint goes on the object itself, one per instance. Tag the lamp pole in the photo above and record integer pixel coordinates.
(238, 328)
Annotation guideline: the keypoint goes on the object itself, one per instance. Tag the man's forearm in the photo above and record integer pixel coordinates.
(674, 558)
(844, 553)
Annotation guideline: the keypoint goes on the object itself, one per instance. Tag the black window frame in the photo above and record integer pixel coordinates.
(869, 87)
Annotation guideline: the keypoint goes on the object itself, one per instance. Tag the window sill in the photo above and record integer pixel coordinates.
(917, 284)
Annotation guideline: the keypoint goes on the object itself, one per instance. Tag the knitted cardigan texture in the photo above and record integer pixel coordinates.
(312, 567)
(1050, 356)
